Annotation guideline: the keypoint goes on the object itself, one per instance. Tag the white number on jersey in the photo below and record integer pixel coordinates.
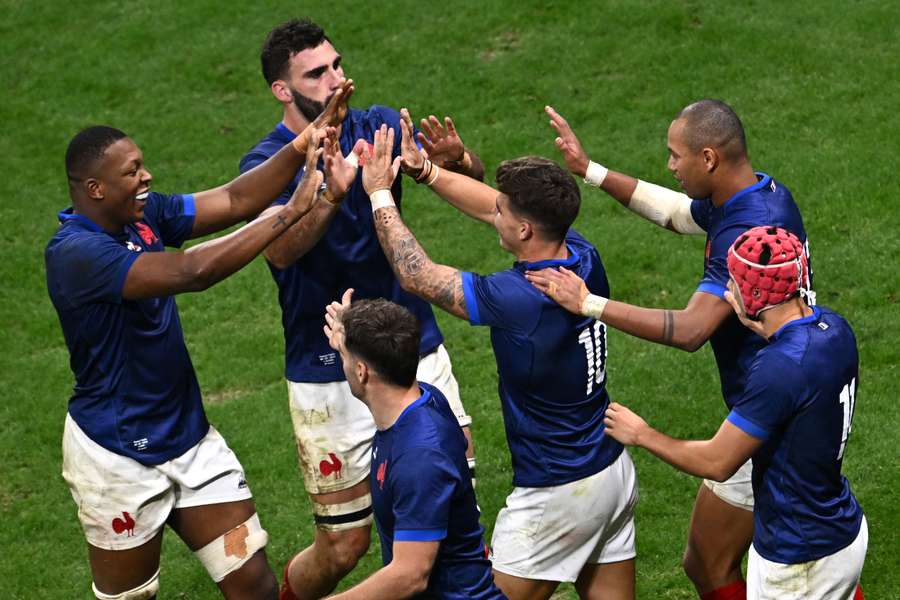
(848, 399)
(593, 338)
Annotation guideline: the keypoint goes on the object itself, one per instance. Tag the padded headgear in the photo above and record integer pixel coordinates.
(768, 264)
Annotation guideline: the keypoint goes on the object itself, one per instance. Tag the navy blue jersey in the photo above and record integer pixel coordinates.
(552, 369)
(136, 393)
(422, 492)
(800, 399)
(765, 203)
(348, 255)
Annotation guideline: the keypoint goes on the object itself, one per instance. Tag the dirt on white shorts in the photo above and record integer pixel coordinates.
(737, 490)
(833, 577)
(334, 430)
(122, 504)
(551, 533)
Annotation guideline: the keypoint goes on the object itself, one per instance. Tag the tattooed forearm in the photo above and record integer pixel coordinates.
(438, 284)
(668, 327)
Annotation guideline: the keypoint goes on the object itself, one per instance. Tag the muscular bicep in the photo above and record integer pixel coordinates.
(156, 274)
(734, 447)
(701, 317)
(442, 286)
(416, 556)
(215, 211)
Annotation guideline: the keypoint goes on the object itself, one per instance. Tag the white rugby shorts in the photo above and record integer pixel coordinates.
(551, 533)
(334, 430)
(122, 504)
(737, 490)
(833, 577)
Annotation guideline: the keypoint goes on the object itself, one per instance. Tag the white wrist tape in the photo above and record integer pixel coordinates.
(381, 199)
(595, 174)
(593, 306)
(229, 551)
(664, 207)
(353, 159)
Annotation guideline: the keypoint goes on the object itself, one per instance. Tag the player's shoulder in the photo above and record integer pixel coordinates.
(269, 145)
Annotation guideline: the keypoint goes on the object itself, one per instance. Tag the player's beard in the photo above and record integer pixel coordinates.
(308, 107)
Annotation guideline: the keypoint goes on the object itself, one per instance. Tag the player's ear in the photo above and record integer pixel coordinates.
(94, 188)
(710, 159)
(526, 231)
(362, 372)
(281, 91)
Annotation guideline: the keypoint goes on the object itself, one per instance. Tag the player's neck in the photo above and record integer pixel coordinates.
(293, 119)
(98, 218)
(536, 250)
(389, 401)
(778, 316)
(734, 179)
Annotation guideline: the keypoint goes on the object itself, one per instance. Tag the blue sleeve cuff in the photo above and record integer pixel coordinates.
(709, 287)
(190, 209)
(419, 535)
(471, 300)
(747, 426)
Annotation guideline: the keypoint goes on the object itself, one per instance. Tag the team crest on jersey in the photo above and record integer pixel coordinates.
(146, 233)
(124, 525)
(332, 465)
(380, 473)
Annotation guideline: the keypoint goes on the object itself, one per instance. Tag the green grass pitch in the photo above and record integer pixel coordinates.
(814, 82)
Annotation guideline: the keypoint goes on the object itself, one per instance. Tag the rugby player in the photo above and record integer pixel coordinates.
(432, 544)
(138, 451)
(551, 365)
(722, 198)
(794, 418)
(331, 250)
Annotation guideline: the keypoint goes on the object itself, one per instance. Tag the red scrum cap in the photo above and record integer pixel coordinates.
(768, 265)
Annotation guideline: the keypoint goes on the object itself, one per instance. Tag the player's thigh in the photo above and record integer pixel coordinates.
(520, 588)
(536, 537)
(607, 581)
(122, 507)
(343, 522)
(720, 533)
(334, 432)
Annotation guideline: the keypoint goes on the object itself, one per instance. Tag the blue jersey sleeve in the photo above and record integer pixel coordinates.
(769, 396)
(89, 268)
(700, 213)
(499, 300)
(172, 216)
(423, 484)
(715, 275)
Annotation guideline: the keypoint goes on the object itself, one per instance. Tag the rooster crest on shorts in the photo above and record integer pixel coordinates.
(125, 525)
(332, 465)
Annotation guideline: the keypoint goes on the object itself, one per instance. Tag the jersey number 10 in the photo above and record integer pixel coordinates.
(593, 338)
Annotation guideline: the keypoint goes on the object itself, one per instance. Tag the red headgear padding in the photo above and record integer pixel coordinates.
(768, 265)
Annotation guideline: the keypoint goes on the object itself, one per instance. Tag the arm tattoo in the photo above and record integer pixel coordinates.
(439, 285)
(279, 222)
(668, 327)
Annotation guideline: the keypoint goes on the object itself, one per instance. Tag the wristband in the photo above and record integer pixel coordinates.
(381, 199)
(437, 171)
(593, 306)
(301, 141)
(425, 172)
(595, 174)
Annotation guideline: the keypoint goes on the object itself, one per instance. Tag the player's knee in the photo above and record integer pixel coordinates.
(231, 550)
(346, 547)
(144, 591)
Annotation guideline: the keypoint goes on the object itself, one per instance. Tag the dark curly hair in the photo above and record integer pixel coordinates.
(285, 41)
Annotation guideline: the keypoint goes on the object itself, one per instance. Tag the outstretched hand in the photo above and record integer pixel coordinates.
(305, 195)
(412, 160)
(336, 110)
(339, 172)
(334, 327)
(576, 158)
(380, 170)
(563, 286)
(441, 143)
(623, 425)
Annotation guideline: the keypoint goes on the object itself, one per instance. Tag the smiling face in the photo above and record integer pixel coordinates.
(122, 182)
(314, 75)
(690, 168)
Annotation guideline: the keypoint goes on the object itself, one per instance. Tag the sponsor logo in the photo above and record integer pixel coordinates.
(334, 466)
(132, 246)
(242, 483)
(380, 473)
(123, 525)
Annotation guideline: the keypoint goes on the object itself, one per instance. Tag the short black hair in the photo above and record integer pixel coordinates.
(285, 41)
(541, 190)
(88, 146)
(711, 123)
(385, 336)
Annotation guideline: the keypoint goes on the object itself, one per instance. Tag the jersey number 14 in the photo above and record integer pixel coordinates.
(593, 338)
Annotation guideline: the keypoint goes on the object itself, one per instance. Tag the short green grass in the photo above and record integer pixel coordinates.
(816, 86)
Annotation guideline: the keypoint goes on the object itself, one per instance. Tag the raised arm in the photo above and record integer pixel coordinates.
(470, 196)
(404, 577)
(717, 458)
(250, 193)
(687, 329)
(443, 146)
(417, 273)
(156, 274)
(667, 208)
(339, 176)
